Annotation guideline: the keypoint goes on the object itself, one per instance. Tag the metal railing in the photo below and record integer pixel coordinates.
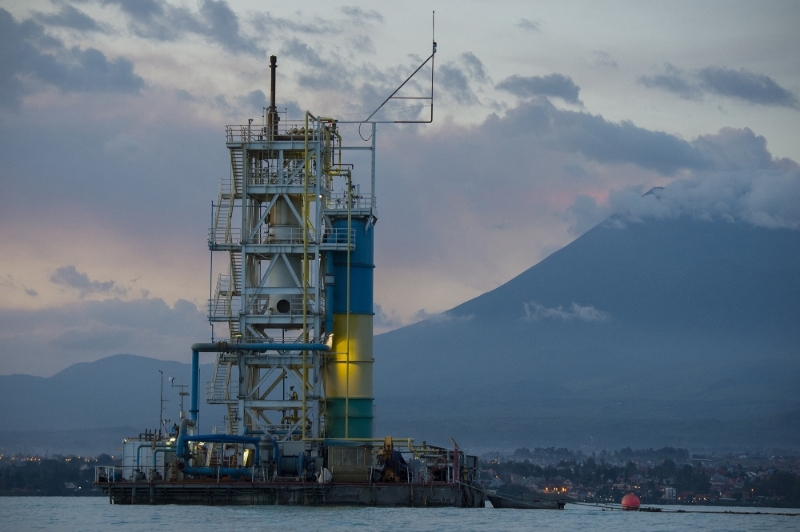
(294, 235)
(360, 201)
(216, 393)
(224, 235)
(287, 130)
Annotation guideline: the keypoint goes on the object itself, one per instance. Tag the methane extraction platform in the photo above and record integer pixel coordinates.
(295, 373)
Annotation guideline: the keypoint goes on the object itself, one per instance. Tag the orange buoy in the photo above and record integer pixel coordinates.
(630, 502)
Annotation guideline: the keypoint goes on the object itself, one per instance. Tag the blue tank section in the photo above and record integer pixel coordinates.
(362, 266)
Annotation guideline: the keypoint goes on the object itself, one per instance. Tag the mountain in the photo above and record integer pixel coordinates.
(117, 391)
(666, 332)
(650, 324)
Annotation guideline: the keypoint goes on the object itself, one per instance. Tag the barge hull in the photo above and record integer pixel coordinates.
(238, 493)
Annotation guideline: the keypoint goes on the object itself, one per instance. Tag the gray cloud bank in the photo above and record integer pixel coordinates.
(45, 341)
(30, 57)
(744, 183)
(743, 85)
(70, 277)
(554, 85)
(215, 21)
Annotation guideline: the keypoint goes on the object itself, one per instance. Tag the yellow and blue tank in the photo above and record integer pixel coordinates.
(348, 369)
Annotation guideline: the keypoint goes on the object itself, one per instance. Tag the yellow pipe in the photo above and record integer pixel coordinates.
(305, 265)
(347, 313)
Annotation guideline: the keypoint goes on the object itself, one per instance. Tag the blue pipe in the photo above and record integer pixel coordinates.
(195, 377)
(183, 449)
(228, 471)
(159, 447)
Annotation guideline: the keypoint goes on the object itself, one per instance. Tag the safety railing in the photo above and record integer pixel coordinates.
(224, 235)
(216, 393)
(107, 474)
(357, 201)
(221, 308)
(294, 235)
(287, 130)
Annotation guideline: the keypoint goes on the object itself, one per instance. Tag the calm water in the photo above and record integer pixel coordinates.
(95, 514)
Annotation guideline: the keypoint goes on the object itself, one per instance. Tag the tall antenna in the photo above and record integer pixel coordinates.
(393, 97)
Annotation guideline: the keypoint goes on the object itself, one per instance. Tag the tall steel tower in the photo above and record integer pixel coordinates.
(291, 243)
(298, 295)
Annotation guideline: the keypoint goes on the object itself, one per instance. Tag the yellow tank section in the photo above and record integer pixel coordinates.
(360, 347)
(349, 407)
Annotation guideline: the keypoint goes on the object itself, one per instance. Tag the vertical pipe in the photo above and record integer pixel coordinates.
(329, 280)
(195, 377)
(372, 185)
(272, 115)
(347, 312)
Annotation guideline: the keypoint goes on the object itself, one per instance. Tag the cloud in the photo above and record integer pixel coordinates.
(535, 312)
(742, 85)
(10, 282)
(744, 184)
(362, 16)
(529, 25)
(460, 79)
(70, 277)
(601, 140)
(266, 22)
(222, 26)
(44, 341)
(555, 85)
(603, 59)
(747, 86)
(363, 44)
(300, 50)
(31, 58)
(672, 80)
(69, 17)
(456, 84)
(140, 10)
(215, 20)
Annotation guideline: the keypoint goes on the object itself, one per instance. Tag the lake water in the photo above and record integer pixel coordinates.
(96, 514)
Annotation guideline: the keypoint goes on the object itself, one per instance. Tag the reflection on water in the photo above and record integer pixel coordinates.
(96, 514)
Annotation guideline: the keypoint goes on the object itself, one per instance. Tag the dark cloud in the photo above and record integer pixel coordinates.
(743, 183)
(296, 49)
(362, 16)
(554, 85)
(617, 143)
(528, 25)
(223, 27)
(743, 85)
(44, 341)
(29, 57)
(461, 78)
(455, 83)
(673, 80)
(474, 66)
(363, 44)
(69, 17)
(70, 277)
(748, 86)
(267, 23)
(140, 10)
(10, 282)
(215, 20)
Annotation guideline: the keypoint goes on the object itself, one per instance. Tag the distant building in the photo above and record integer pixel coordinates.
(670, 493)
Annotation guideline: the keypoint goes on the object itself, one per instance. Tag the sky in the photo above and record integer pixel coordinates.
(547, 119)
